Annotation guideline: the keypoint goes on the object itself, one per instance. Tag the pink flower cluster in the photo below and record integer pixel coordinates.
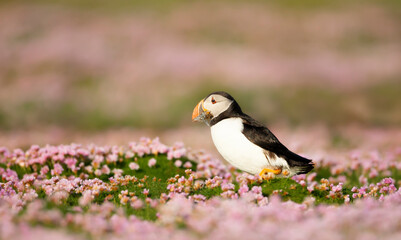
(239, 208)
(237, 219)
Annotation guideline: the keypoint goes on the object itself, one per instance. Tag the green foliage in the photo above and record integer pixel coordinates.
(209, 192)
(288, 189)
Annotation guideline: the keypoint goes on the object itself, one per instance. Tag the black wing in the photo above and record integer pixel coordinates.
(264, 138)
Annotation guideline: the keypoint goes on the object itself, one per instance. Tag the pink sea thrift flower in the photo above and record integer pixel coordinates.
(111, 158)
(263, 202)
(117, 172)
(337, 188)
(388, 181)
(137, 203)
(373, 173)
(310, 188)
(71, 163)
(124, 200)
(57, 169)
(243, 189)
(227, 186)
(256, 189)
(152, 162)
(133, 166)
(199, 198)
(187, 165)
(363, 180)
(178, 163)
(153, 202)
(44, 170)
(98, 172)
(129, 154)
(105, 170)
(86, 198)
(58, 197)
(311, 177)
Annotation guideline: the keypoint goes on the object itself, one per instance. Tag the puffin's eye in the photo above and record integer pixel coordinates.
(213, 101)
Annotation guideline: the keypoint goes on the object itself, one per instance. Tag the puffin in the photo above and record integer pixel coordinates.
(246, 143)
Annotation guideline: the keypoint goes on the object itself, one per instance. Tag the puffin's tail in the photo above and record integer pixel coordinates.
(300, 164)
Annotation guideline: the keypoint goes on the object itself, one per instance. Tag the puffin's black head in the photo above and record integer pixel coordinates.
(215, 106)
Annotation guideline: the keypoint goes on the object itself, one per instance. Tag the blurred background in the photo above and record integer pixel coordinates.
(320, 74)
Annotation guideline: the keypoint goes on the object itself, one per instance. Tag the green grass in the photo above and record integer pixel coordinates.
(288, 189)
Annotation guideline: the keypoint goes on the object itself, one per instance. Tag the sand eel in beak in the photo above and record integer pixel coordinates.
(245, 143)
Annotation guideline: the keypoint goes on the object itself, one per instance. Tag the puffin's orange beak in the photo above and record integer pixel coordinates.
(198, 111)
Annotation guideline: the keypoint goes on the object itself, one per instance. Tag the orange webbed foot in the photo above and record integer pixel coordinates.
(268, 173)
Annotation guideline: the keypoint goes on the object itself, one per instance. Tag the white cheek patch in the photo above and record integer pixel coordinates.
(219, 107)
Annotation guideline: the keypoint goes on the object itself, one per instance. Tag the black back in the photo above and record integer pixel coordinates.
(264, 138)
